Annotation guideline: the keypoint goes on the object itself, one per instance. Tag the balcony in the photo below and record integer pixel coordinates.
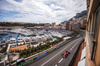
(89, 46)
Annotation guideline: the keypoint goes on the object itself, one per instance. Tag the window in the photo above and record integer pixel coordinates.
(90, 25)
(97, 16)
(95, 29)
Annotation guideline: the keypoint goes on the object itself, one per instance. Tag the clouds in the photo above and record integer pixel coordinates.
(41, 10)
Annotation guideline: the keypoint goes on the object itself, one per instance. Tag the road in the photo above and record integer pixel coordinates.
(55, 58)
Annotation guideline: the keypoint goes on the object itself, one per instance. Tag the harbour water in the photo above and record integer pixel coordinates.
(9, 36)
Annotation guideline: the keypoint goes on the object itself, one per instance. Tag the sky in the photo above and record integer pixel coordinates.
(40, 11)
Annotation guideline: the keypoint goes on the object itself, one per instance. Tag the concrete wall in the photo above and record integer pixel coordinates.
(91, 20)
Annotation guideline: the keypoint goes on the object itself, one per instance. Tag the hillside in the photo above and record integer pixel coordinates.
(79, 14)
(19, 24)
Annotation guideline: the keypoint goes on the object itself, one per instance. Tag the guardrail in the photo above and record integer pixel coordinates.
(74, 56)
(37, 54)
(40, 56)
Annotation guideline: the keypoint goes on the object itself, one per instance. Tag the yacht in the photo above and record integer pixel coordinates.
(20, 41)
(27, 39)
(12, 40)
(33, 38)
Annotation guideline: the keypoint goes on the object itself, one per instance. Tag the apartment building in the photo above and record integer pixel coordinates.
(63, 25)
(67, 25)
(93, 33)
(75, 26)
(54, 25)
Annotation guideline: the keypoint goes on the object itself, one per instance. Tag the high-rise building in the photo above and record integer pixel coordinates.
(75, 26)
(54, 25)
(67, 25)
(70, 26)
(63, 25)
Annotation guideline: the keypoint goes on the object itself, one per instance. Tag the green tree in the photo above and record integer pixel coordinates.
(4, 49)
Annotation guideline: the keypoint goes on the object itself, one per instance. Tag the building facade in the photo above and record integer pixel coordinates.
(92, 38)
(70, 25)
(63, 25)
(75, 26)
(67, 25)
(58, 27)
(47, 26)
(54, 25)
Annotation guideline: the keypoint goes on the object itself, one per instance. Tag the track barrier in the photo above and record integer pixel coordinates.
(40, 56)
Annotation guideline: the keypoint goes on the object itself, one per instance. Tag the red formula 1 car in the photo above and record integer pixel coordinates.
(65, 54)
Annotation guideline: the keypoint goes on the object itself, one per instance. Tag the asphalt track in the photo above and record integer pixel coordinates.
(55, 58)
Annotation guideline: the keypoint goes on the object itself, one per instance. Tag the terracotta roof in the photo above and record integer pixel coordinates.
(22, 47)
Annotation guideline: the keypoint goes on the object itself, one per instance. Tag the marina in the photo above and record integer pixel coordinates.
(26, 36)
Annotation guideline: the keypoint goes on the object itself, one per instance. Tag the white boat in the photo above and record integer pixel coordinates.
(33, 38)
(12, 40)
(20, 41)
(27, 39)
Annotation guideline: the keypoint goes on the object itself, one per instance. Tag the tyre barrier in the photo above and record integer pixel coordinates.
(33, 59)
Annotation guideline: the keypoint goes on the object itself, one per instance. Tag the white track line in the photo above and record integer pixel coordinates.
(74, 45)
(60, 60)
(56, 54)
